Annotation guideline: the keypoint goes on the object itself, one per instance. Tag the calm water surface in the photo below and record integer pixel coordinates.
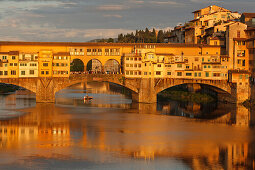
(111, 132)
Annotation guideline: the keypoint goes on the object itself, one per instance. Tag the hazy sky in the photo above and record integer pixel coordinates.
(83, 20)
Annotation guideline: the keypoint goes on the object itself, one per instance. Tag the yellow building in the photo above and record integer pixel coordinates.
(4, 64)
(45, 63)
(13, 67)
(191, 62)
(28, 65)
(61, 64)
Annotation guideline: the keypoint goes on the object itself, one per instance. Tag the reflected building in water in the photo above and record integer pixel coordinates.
(214, 136)
(141, 136)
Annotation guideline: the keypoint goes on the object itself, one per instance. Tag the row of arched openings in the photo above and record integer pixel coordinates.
(95, 66)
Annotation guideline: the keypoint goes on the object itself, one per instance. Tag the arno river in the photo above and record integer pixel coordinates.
(111, 132)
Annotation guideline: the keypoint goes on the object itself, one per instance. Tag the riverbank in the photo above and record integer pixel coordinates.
(179, 95)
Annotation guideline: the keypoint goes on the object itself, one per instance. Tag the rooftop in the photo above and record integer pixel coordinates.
(80, 44)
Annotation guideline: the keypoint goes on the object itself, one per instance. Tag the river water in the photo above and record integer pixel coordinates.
(111, 132)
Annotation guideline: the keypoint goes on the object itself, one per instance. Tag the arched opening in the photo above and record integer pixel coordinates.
(195, 101)
(112, 66)
(77, 65)
(103, 93)
(94, 66)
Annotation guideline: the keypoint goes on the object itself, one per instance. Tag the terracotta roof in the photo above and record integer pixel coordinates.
(249, 15)
(13, 53)
(240, 71)
(193, 20)
(215, 38)
(251, 39)
(10, 53)
(4, 53)
(187, 28)
(62, 54)
(239, 39)
(211, 63)
(250, 29)
(166, 54)
(70, 44)
(224, 56)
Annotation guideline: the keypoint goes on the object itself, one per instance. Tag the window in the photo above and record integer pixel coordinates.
(88, 51)
(240, 53)
(5, 73)
(42, 72)
(179, 65)
(47, 72)
(240, 76)
(179, 73)
(206, 74)
(23, 73)
(216, 74)
(145, 73)
(127, 58)
(13, 57)
(159, 65)
(31, 72)
(205, 66)
(158, 72)
(246, 76)
(45, 64)
(127, 72)
(195, 75)
(127, 65)
(13, 72)
(169, 73)
(188, 74)
(1, 73)
(238, 34)
(139, 65)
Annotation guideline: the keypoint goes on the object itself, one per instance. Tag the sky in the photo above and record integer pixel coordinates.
(84, 20)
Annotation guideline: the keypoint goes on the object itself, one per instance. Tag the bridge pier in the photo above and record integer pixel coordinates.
(146, 93)
(45, 91)
(243, 92)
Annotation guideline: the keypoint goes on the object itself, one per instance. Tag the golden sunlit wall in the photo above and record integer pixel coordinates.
(61, 65)
(13, 65)
(45, 63)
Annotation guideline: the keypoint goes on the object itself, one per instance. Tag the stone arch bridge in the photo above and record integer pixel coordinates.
(144, 90)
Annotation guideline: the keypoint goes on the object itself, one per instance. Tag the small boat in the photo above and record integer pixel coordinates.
(88, 98)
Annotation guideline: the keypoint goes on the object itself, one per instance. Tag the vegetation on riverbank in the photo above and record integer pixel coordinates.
(180, 95)
(7, 88)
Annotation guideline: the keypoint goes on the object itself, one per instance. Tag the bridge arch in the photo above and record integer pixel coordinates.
(217, 85)
(112, 66)
(25, 83)
(115, 79)
(94, 65)
(77, 65)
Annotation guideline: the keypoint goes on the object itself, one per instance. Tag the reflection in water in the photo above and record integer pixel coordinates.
(112, 133)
